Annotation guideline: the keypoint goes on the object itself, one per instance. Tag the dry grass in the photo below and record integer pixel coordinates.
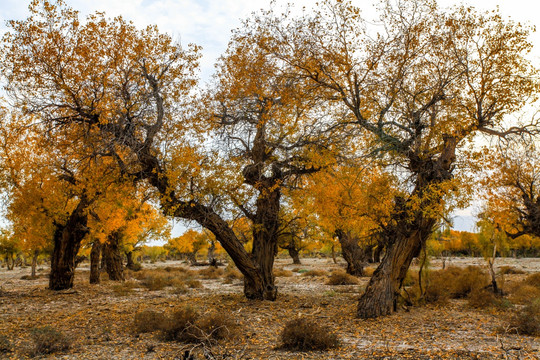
(507, 270)
(533, 280)
(368, 271)
(280, 272)
(305, 334)
(523, 293)
(211, 273)
(341, 278)
(48, 340)
(315, 273)
(526, 321)
(148, 321)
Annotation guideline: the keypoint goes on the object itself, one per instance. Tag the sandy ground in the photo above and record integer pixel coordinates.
(98, 319)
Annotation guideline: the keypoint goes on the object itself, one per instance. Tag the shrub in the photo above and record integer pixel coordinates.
(180, 326)
(533, 280)
(211, 273)
(483, 298)
(526, 321)
(154, 282)
(522, 293)
(305, 334)
(233, 274)
(5, 344)
(505, 270)
(341, 278)
(194, 283)
(315, 272)
(215, 326)
(282, 273)
(48, 340)
(467, 280)
(148, 321)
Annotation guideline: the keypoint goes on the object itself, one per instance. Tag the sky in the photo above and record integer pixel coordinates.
(208, 23)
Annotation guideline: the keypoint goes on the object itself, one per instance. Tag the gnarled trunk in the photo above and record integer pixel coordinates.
(354, 255)
(130, 264)
(409, 233)
(94, 262)
(113, 258)
(382, 291)
(294, 254)
(67, 241)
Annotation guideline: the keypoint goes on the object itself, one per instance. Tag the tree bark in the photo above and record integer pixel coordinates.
(294, 254)
(130, 264)
(333, 249)
(211, 256)
(354, 255)
(113, 258)
(34, 263)
(67, 241)
(94, 262)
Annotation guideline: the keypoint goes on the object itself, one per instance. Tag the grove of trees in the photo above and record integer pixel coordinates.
(315, 127)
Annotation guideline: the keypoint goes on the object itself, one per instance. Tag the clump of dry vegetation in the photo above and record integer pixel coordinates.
(315, 273)
(48, 340)
(5, 344)
(185, 325)
(280, 272)
(508, 270)
(526, 320)
(306, 334)
(341, 278)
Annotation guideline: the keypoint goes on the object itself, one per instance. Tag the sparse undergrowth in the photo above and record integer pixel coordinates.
(48, 340)
(526, 320)
(304, 334)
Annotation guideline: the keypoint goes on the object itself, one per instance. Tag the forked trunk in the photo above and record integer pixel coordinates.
(382, 291)
(113, 257)
(67, 241)
(94, 262)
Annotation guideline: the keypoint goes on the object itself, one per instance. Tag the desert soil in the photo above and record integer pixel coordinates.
(98, 319)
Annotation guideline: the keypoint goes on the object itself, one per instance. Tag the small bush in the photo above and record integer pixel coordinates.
(482, 299)
(282, 273)
(211, 273)
(194, 283)
(233, 274)
(29, 277)
(526, 321)
(148, 321)
(215, 326)
(135, 267)
(341, 278)
(180, 326)
(154, 282)
(48, 340)
(315, 272)
(533, 280)
(523, 293)
(305, 334)
(470, 279)
(506, 270)
(5, 344)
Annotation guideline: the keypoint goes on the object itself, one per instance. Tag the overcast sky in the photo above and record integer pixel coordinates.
(208, 23)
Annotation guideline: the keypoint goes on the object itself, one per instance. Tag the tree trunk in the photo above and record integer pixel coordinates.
(67, 241)
(211, 256)
(294, 254)
(113, 258)
(94, 262)
(333, 249)
(34, 263)
(130, 264)
(102, 265)
(382, 291)
(353, 254)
